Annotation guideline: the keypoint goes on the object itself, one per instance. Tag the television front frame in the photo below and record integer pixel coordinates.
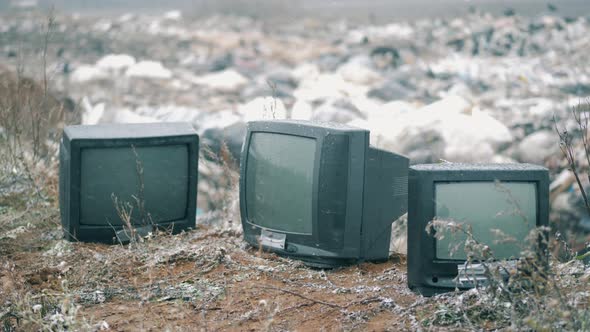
(308, 247)
(428, 274)
(70, 201)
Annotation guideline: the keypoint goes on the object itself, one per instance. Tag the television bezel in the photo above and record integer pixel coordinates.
(78, 138)
(358, 149)
(426, 273)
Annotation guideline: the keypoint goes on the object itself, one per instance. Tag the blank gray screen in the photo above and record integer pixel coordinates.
(279, 182)
(107, 171)
(485, 206)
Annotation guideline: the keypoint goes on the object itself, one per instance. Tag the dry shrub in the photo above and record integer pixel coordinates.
(533, 293)
(31, 123)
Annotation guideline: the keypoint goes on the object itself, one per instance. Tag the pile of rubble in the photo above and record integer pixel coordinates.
(478, 88)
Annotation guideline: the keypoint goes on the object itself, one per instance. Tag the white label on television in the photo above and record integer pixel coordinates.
(476, 273)
(273, 239)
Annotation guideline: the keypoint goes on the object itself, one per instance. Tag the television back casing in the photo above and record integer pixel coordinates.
(77, 138)
(367, 186)
(428, 275)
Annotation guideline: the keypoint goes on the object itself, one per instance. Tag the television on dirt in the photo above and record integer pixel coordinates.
(117, 180)
(319, 193)
(497, 204)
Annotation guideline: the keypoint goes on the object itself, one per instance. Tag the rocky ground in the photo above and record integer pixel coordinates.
(478, 88)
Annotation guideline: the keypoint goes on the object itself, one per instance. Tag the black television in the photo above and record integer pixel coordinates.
(512, 198)
(148, 170)
(319, 193)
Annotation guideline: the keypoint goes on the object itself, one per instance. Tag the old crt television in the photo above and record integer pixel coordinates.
(148, 169)
(317, 192)
(512, 198)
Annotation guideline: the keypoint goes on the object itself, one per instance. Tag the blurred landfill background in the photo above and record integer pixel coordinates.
(472, 81)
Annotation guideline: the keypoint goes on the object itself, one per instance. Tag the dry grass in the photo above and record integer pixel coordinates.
(537, 293)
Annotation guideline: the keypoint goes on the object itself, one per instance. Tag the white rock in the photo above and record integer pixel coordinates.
(450, 104)
(398, 106)
(148, 69)
(126, 18)
(473, 136)
(387, 113)
(337, 110)
(221, 119)
(87, 73)
(450, 129)
(170, 113)
(327, 86)
(103, 25)
(537, 147)
(173, 15)
(228, 80)
(563, 179)
(128, 116)
(357, 71)
(306, 71)
(365, 104)
(263, 108)
(115, 62)
(380, 33)
(302, 110)
(501, 159)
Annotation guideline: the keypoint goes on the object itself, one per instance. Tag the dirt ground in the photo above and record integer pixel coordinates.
(209, 279)
(206, 279)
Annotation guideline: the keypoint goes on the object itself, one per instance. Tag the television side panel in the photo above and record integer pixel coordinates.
(543, 212)
(385, 200)
(190, 221)
(420, 201)
(65, 189)
(543, 198)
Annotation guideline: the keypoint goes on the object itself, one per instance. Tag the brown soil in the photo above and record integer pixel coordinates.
(206, 279)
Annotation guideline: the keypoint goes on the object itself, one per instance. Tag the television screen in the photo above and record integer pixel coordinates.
(277, 162)
(318, 192)
(150, 170)
(498, 204)
(108, 173)
(483, 206)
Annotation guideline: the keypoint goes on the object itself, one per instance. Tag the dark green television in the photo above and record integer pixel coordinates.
(319, 193)
(511, 198)
(148, 170)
